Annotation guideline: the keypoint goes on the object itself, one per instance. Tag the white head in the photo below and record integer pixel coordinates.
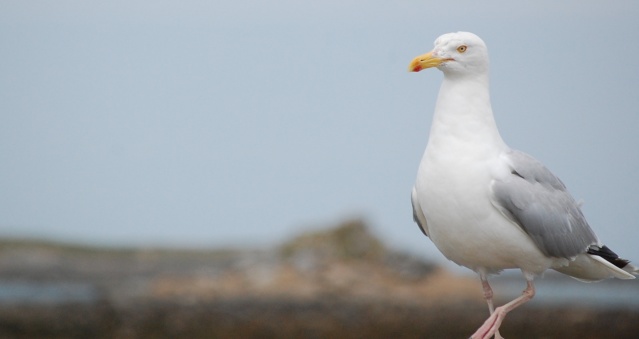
(455, 53)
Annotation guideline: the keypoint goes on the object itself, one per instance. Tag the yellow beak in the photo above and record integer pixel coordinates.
(425, 61)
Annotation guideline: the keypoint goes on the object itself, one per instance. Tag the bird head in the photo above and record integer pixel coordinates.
(460, 52)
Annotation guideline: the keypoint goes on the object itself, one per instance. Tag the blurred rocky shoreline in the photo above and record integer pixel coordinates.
(342, 283)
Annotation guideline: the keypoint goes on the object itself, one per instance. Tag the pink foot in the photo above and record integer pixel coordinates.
(490, 326)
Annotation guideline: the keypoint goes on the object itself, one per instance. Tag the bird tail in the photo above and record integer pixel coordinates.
(627, 272)
(590, 268)
(632, 269)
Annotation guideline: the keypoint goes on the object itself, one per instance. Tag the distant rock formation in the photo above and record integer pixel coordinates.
(346, 261)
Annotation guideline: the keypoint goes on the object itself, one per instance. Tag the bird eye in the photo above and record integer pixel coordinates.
(462, 49)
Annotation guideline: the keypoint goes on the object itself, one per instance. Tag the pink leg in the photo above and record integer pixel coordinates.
(488, 292)
(491, 325)
(488, 295)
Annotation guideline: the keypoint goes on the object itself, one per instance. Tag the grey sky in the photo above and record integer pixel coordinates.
(204, 123)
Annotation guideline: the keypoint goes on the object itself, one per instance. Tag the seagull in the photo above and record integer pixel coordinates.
(489, 207)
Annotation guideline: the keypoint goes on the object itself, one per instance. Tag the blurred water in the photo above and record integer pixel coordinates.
(560, 290)
(47, 292)
(553, 292)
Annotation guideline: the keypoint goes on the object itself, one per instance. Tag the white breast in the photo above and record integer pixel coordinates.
(453, 189)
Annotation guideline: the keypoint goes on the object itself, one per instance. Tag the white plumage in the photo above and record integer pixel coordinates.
(488, 207)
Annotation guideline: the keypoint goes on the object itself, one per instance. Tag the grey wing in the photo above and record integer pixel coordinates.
(418, 214)
(540, 204)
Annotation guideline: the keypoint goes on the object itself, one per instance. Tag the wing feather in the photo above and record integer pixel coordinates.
(536, 200)
(418, 214)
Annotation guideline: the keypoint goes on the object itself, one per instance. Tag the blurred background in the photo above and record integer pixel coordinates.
(146, 130)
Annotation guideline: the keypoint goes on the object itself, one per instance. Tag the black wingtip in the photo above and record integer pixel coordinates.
(609, 255)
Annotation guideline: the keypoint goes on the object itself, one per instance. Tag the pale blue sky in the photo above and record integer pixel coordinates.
(203, 123)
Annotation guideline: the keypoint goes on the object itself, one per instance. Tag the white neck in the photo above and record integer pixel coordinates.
(463, 113)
